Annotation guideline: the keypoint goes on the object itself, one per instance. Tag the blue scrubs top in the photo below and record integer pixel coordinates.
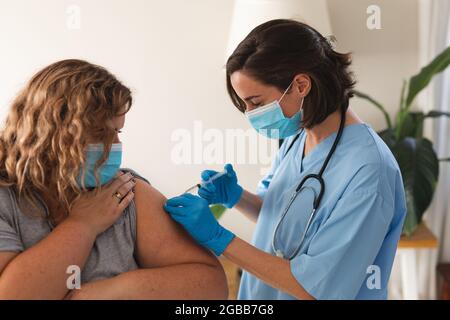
(350, 246)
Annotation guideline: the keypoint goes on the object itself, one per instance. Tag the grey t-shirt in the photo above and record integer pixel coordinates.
(113, 250)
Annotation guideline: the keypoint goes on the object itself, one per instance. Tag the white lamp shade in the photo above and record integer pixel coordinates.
(247, 14)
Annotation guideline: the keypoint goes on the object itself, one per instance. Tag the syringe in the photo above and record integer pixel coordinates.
(211, 179)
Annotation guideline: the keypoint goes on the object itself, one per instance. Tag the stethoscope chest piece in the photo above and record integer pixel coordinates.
(279, 254)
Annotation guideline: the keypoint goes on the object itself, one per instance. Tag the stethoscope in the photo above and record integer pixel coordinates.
(301, 187)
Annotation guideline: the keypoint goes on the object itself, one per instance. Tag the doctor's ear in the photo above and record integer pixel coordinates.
(302, 83)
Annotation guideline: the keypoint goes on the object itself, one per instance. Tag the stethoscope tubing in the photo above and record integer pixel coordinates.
(300, 187)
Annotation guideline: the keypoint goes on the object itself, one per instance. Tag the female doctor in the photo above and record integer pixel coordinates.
(330, 211)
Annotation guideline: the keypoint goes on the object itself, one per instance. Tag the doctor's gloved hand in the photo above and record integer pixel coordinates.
(224, 190)
(193, 213)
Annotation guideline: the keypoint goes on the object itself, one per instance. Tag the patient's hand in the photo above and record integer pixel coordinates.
(98, 210)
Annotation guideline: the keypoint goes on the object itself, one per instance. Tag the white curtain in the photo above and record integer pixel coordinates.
(437, 97)
(434, 37)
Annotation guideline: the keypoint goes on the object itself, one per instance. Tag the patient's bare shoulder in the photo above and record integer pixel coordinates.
(148, 197)
(160, 240)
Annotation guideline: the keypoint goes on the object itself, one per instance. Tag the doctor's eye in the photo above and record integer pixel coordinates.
(253, 105)
(118, 131)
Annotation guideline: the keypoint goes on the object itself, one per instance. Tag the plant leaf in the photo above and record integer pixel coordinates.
(423, 78)
(217, 210)
(402, 95)
(436, 114)
(412, 125)
(420, 170)
(376, 104)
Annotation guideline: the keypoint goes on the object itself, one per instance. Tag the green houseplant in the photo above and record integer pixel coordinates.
(415, 155)
(218, 210)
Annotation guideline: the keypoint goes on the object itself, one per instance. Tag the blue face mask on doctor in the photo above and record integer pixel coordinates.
(270, 121)
(107, 170)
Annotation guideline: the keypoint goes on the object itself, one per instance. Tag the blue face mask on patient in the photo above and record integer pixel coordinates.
(107, 170)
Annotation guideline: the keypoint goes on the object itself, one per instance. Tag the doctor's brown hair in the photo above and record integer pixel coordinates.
(276, 51)
(51, 121)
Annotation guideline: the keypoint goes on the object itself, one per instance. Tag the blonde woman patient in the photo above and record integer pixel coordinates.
(64, 202)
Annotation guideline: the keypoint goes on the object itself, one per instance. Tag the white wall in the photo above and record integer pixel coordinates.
(382, 58)
(171, 53)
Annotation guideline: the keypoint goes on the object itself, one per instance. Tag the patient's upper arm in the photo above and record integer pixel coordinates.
(5, 258)
(160, 240)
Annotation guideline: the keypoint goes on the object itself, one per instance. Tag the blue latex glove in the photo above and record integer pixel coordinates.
(224, 190)
(193, 213)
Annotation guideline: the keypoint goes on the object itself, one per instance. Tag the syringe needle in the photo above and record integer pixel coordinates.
(210, 180)
(192, 188)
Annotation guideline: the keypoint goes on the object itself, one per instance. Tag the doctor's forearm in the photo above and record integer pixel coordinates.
(273, 270)
(250, 205)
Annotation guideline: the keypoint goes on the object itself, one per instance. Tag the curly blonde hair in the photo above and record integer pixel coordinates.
(50, 123)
